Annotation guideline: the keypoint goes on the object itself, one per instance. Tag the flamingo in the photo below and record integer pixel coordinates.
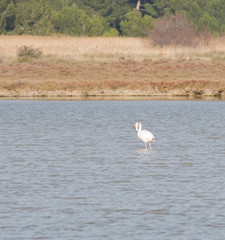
(144, 135)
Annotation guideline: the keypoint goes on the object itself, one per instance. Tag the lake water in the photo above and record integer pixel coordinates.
(77, 170)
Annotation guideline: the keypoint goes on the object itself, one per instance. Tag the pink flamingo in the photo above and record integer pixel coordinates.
(144, 135)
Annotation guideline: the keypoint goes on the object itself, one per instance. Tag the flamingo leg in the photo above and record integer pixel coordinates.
(150, 145)
(146, 146)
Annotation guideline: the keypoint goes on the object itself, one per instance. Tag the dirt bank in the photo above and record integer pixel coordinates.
(113, 78)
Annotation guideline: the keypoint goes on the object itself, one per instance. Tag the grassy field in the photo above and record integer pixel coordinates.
(71, 66)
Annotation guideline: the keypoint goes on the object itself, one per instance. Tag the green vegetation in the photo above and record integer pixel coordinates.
(106, 17)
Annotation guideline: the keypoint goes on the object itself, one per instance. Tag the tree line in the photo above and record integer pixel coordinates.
(135, 18)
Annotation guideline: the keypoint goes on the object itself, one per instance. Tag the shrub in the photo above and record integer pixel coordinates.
(174, 30)
(29, 52)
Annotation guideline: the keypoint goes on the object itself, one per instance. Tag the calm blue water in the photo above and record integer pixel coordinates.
(77, 170)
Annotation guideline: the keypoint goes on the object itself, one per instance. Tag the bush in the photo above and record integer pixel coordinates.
(29, 52)
(174, 30)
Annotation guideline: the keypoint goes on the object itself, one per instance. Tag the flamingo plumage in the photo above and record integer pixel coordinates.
(144, 135)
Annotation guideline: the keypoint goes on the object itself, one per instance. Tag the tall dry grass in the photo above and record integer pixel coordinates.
(99, 48)
(110, 66)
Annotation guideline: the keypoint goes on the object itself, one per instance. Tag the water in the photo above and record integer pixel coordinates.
(76, 170)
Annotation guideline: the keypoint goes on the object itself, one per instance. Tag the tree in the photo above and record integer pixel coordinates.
(208, 23)
(134, 25)
(8, 17)
(58, 5)
(112, 11)
(162, 7)
(194, 11)
(104, 17)
(71, 21)
(216, 10)
(74, 21)
(28, 13)
(96, 26)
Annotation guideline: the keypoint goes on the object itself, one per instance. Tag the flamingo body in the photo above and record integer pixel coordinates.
(144, 135)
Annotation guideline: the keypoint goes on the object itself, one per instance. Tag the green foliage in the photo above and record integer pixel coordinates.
(134, 25)
(8, 16)
(75, 22)
(104, 17)
(216, 11)
(71, 21)
(208, 23)
(28, 14)
(194, 11)
(162, 7)
(150, 10)
(57, 5)
(111, 33)
(96, 26)
(112, 11)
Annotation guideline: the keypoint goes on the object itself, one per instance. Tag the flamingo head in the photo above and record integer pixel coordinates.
(137, 126)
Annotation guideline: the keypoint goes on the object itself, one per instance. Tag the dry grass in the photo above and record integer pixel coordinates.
(168, 77)
(72, 66)
(74, 48)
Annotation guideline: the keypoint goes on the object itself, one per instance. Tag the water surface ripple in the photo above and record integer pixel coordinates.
(76, 170)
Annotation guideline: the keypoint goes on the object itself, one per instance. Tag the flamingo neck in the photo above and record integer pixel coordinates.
(139, 129)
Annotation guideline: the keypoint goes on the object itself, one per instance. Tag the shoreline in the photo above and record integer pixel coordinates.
(115, 98)
(163, 78)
